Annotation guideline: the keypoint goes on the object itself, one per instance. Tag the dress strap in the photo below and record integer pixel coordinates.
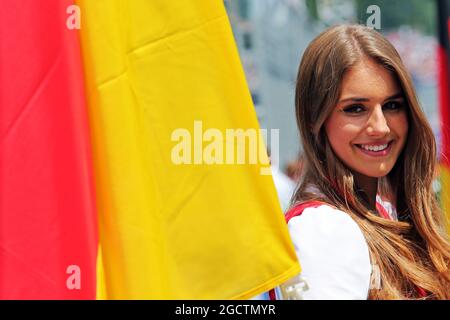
(382, 211)
(298, 209)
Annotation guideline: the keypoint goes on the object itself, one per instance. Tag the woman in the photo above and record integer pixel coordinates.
(364, 220)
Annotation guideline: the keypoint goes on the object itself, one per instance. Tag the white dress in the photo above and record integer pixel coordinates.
(333, 254)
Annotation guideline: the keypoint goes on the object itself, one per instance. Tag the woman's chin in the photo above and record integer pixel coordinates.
(379, 171)
(376, 173)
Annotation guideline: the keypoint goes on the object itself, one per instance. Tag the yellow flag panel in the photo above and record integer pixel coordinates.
(157, 70)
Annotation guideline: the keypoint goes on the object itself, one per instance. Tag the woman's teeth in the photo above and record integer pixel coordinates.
(374, 148)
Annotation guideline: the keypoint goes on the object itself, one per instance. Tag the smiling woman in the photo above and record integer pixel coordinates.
(364, 220)
(367, 129)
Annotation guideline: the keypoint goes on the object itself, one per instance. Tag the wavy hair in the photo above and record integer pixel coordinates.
(412, 252)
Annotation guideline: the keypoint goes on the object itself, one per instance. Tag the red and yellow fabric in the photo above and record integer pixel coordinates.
(444, 102)
(165, 231)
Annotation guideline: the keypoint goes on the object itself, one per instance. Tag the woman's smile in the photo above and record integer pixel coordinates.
(376, 150)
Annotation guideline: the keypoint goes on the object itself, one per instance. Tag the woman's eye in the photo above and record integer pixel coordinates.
(392, 105)
(354, 109)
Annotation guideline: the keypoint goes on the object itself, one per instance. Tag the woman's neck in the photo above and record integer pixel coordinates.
(369, 186)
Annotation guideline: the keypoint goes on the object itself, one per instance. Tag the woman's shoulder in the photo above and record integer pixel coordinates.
(332, 251)
(313, 202)
(324, 220)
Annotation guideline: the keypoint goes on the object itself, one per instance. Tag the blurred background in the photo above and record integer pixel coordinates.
(272, 34)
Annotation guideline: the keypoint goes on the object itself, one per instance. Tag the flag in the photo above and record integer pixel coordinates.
(48, 232)
(160, 73)
(443, 8)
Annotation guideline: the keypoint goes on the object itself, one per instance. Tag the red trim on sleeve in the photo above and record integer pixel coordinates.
(298, 209)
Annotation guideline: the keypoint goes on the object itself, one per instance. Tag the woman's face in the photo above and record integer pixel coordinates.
(368, 127)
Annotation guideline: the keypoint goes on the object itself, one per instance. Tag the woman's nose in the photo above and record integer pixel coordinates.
(377, 124)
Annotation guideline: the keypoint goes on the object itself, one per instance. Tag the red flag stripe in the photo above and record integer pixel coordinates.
(47, 215)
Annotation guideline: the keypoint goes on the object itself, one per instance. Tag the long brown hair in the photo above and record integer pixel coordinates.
(413, 252)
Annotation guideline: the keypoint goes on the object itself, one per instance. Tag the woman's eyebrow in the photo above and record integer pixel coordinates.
(361, 99)
(355, 99)
(395, 96)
